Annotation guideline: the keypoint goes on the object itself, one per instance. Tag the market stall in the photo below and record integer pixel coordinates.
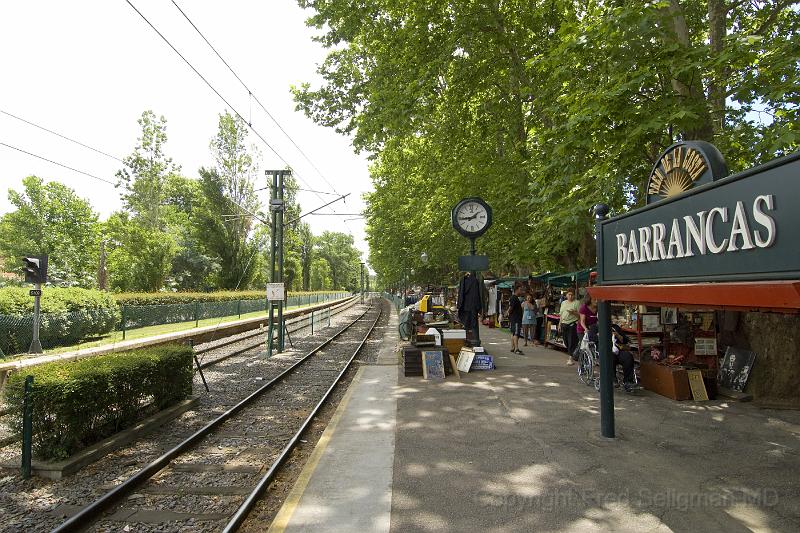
(556, 288)
(720, 244)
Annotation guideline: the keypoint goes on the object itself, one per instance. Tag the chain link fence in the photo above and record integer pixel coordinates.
(65, 329)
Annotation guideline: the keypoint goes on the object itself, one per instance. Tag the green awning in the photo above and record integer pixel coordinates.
(571, 278)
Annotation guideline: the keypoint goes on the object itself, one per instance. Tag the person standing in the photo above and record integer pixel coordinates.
(540, 304)
(587, 319)
(569, 321)
(528, 318)
(515, 318)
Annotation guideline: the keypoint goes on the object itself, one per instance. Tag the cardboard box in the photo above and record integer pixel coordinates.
(669, 381)
(454, 345)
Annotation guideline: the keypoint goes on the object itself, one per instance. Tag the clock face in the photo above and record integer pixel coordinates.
(472, 217)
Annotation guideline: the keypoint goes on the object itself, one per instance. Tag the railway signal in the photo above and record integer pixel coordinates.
(35, 269)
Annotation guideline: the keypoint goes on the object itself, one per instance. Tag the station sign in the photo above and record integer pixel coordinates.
(275, 291)
(741, 227)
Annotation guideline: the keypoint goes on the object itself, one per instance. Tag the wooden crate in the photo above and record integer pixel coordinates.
(672, 382)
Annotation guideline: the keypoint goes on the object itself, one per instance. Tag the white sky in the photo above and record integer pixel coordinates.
(88, 69)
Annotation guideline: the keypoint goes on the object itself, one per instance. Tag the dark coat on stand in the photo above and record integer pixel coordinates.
(470, 301)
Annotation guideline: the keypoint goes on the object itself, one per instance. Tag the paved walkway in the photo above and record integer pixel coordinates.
(518, 449)
(346, 485)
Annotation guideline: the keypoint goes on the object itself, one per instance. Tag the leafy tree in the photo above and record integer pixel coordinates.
(320, 275)
(146, 172)
(226, 219)
(142, 252)
(343, 259)
(139, 259)
(51, 219)
(192, 268)
(542, 108)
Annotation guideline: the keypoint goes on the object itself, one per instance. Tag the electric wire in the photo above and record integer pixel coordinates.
(57, 163)
(206, 82)
(249, 92)
(31, 123)
(300, 189)
(249, 125)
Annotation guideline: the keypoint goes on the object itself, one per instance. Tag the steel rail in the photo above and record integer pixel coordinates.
(89, 514)
(292, 317)
(335, 310)
(252, 499)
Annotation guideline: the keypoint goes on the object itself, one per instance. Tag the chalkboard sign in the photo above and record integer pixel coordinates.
(735, 369)
(433, 364)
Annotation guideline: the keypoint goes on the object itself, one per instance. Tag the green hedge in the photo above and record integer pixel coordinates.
(79, 403)
(17, 301)
(162, 298)
(68, 317)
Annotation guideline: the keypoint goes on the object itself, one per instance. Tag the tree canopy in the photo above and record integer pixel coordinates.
(543, 109)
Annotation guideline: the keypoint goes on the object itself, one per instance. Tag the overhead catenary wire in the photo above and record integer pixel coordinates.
(31, 123)
(279, 156)
(205, 80)
(57, 163)
(255, 98)
(300, 189)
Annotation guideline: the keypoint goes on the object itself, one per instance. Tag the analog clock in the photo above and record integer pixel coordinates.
(472, 217)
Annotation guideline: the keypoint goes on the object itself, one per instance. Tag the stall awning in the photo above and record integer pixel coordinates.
(570, 279)
(777, 296)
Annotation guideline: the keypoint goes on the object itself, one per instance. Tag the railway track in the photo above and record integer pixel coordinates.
(293, 326)
(224, 467)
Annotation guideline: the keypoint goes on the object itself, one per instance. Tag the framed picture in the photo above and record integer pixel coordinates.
(651, 322)
(669, 315)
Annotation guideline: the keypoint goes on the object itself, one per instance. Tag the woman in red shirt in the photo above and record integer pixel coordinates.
(587, 321)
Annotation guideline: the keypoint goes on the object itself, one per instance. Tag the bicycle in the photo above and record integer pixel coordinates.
(588, 358)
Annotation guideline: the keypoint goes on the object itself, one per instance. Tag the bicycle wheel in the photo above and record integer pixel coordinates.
(585, 366)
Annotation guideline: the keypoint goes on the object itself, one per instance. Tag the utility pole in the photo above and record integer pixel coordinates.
(277, 208)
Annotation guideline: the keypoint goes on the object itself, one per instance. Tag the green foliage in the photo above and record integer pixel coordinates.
(51, 219)
(225, 215)
(17, 301)
(165, 298)
(68, 317)
(544, 109)
(139, 258)
(79, 403)
(343, 259)
(146, 172)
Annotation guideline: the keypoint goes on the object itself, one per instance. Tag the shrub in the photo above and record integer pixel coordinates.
(78, 403)
(17, 301)
(68, 317)
(162, 298)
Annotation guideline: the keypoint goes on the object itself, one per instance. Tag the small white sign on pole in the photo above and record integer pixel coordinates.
(274, 291)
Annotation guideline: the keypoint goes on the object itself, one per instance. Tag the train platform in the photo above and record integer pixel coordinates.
(518, 449)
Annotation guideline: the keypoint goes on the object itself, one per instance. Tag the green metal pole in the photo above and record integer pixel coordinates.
(27, 427)
(604, 330)
(123, 321)
(281, 327)
(273, 260)
(239, 308)
(312, 322)
(196, 314)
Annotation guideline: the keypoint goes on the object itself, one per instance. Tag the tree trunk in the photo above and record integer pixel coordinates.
(717, 15)
(689, 85)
